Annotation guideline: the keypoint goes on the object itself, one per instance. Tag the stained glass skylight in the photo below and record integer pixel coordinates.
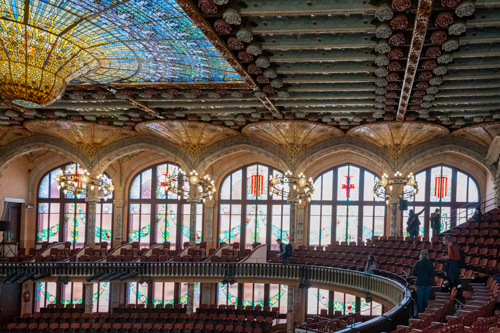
(55, 42)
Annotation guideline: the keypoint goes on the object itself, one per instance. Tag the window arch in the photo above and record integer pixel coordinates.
(345, 194)
(246, 206)
(62, 216)
(452, 190)
(154, 214)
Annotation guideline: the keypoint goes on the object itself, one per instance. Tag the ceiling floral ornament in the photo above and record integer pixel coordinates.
(383, 31)
(465, 9)
(401, 5)
(384, 12)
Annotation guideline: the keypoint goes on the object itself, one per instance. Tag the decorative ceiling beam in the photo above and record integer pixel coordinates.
(309, 12)
(270, 106)
(160, 85)
(142, 107)
(423, 15)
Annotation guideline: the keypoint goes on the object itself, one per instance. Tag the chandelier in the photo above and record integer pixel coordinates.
(78, 183)
(280, 185)
(410, 185)
(206, 186)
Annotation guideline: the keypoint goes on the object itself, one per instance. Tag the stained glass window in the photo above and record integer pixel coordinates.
(183, 294)
(253, 294)
(164, 293)
(452, 191)
(62, 217)
(317, 300)
(246, 207)
(100, 297)
(137, 293)
(45, 294)
(278, 297)
(344, 194)
(72, 293)
(227, 294)
(154, 217)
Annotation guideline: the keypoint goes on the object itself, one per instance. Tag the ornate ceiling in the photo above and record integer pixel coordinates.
(292, 136)
(192, 136)
(481, 133)
(335, 64)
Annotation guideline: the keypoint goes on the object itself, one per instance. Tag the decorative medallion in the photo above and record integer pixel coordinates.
(292, 136)
(192, 136)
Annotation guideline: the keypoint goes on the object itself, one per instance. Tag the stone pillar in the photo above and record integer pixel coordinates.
(91, 199)
(393, 206)
(206, 297)
(193, 200)
(114, 291)
(301, 208)
(88, 295)
(190, 298)
(209, 221)
(293, 201)
(291, 307)
(118, 225)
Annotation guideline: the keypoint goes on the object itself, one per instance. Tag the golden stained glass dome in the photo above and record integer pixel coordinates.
(47, 44)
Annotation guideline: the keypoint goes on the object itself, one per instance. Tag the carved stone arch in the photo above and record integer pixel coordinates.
(43, 142)
(458, 146)
(235, 145)
(116, 150)
(365, 149)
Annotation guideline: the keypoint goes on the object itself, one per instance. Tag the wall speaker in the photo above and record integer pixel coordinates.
(4, 225)
(403, 204)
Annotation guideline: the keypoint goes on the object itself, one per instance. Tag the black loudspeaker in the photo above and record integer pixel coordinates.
(4, 225)
(403, 204)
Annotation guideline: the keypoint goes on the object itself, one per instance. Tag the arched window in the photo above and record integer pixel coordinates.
(451, 190)
(344, 194)
(246, 206)
(154, 214)
(62, 216)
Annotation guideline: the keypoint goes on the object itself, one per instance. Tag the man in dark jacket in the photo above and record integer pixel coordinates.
(282, 251)
(424, 271)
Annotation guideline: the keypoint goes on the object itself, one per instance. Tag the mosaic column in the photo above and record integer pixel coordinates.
(293, 219)
(290, 308)
(88, 296)
(118, 225)
(190, 298)
(209, 221)
(193, 200)
(301, 208)
(91, 200)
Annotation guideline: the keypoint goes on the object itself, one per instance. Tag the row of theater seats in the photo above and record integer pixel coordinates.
(442, 315)
(208, 319)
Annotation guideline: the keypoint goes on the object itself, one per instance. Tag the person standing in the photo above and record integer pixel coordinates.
(282, 251)
(424, 271)
(436, 223)
(413, 223)
(452, 262)
(371, 264)
(478, 216)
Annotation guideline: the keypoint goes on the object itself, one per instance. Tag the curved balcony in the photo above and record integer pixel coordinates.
(394, 294)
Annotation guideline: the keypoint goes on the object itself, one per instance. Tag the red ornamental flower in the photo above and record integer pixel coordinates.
(431, 119)
(391, 77)
(417, 100)
(77, 118)
(235, 127)
(489, 118)
(312, 118)
(433, 52)
(394, 65)
(332, 123)
(439, 37)
(149, 116)
(390, 101)
(388, 117)
(397, 39)
(344, 127)
(102, 122)
(173, 91)
(13, 122)
(234, 43)
(429, 64)
(171, 116)
(28, 116)
(392, 86)
(262, 79)
(401, 5)
(411, 118)
(150, 92)
(355, 123)
(253, 120)
(399, 22)
(425, 75)
(217, 122)
(136, 119)
(419, 93)
(447, 122)
(395, 53)
(289, 117)
(19, 119)
(444, 19)
(245, 56)
(196, 92)
(268, 89)
(268, 116)
(192, 117)
(450, 3)
(129, 123)
(207, 6)
(456, 126)
(389, 108)
(391, 94)
(222, 26)
(254, 69)
(414, 107)
(245, 91)
(422, 85)
(221, 92)
(371, 120)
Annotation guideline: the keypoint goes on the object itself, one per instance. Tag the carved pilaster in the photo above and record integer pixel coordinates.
(206, 297)
(88, 290)
(394, 218)
(209, 222)
(293, 220)
(118, 210)
(190, 298)
(301, 208)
